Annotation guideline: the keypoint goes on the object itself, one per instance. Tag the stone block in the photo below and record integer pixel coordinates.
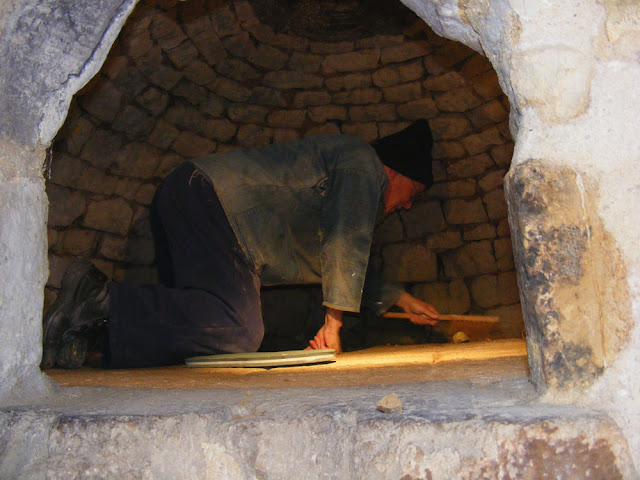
(182, 54)
(244, 10)
(460, 100)
(131, 83)
(133, 121)
(480, 232)
(138, 160)
(192, 93)
(503, 228)
(66, 170)
(221, 130)
(502, 154)
(164, 77)
(487, 85)
(422, 219)
(326, 129)
(444, 83)
(79, 242)
(287, 79)
(102, 101)
(328, 112)
(190, 145)
(269, 97)
(470, 167)
(246, 113)
(476, 65)
(439, 172)
(65, 205)
(164, 26)
(485, 291)
(113, 216)
(511, 323)
(168, 162)
(113, 247)
(496, 204)
(163, 134)
(416, 109)
(365, 131)
(389, 230)
(231, 90)
(487, 114)
(373, 113)
(95, 180)
(396, 74)
(447, 150)
(57, 267)
(380, 41)
(286, 118)
(358, 96)
(403, 93)
(77, 131)
(492, 180)
(283, 135)
(185, 117)
(225, 22)
(237, 70)
(317, 97)
(450, 127)
(350, 81)
(389, 128)
(137, 44)
(472, 259)
(325, 48)
(481, 142)
(404, 262)
(458, 211)
(351, 62)
(127, 187)
(458, 188)
(269, 57)
(450, 298)
(213, 106)
(153, 100)
(291, 42)
(199, 73)
(504, 254)
(250, 136)
(305, 62)
(442, 241)
(209, 46)
(261, 32)
(404, 52)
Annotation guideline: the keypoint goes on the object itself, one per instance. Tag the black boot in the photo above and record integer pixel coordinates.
(76, 317)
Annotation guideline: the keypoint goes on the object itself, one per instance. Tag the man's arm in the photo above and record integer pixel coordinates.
(329, 335)
(422, 313)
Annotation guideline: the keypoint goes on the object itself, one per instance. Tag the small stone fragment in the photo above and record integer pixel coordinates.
(389, 404)
(460, 337)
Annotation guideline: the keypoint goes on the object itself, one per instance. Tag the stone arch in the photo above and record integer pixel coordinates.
(570, 74)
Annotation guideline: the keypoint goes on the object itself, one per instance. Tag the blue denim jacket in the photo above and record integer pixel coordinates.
(304, 212)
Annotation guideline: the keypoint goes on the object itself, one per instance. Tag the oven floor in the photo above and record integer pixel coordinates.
(481, 361)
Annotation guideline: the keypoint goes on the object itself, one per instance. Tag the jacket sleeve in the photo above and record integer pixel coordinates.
(379, 294)
(347, 224)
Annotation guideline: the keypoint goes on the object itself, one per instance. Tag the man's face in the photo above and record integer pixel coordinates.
(400, 191)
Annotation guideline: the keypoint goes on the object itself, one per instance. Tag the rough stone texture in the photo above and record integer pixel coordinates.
(447, 431)
(570, 72)
(557, 248)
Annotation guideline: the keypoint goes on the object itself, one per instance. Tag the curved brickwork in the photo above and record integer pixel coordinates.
(185, 80)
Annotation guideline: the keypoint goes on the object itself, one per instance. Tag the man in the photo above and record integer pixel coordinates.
(297, 213)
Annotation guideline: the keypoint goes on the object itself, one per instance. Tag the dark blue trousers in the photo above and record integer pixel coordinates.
(208, 299)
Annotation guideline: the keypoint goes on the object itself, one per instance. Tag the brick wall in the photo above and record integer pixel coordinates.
(193, 78)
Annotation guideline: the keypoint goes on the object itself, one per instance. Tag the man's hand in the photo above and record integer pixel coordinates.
(422, 313)
(329, 335)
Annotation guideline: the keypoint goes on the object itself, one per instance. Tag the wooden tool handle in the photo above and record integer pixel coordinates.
(464, 318)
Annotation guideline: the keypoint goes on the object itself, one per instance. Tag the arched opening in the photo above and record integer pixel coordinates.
(186, 79)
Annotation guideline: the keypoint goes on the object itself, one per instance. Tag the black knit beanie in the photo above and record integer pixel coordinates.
(409, 152)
